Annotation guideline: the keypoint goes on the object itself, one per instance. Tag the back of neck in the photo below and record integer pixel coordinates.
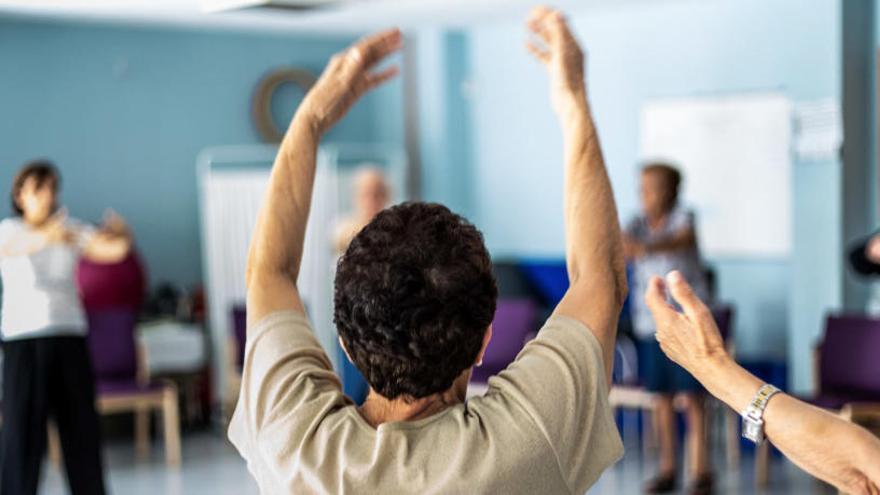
(378, 409)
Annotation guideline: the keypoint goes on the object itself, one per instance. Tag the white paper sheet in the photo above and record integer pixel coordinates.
(734, 153)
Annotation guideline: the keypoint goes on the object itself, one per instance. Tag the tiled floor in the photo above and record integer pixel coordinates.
(210, 466)
(213, 467)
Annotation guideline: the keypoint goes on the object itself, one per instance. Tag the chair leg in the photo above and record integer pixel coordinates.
(648, 431)
(762, 465)
(142, 432)
(732, 443)
(54, 444)
(171, 426)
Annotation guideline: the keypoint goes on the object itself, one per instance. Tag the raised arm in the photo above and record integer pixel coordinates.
(593, 247)
(277, 242)
(826, 446)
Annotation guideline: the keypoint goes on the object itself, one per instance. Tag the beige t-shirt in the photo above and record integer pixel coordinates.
(544, 426)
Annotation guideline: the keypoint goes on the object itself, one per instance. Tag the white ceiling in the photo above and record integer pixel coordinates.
(348, 17)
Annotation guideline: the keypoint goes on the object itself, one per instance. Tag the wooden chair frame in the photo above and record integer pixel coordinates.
(164, 400)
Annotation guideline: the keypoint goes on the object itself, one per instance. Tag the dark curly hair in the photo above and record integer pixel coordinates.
(414, 295)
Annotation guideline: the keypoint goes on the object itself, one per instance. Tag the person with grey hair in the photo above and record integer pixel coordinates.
(370, 195)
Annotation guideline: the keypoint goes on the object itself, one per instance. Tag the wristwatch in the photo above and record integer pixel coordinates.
(752, 417)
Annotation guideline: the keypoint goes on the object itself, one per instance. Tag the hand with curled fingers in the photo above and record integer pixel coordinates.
(348, 76)
(113, 224)
(690, 338)
(556, 47)
(55, 231)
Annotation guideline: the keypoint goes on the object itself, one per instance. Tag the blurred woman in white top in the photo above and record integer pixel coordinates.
(46, 367)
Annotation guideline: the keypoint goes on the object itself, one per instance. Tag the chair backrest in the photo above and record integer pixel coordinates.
(848, 357)
(114, 285)
(112, 343)
(239, 330)
(514, 321)
(549, 277)
(112, 295)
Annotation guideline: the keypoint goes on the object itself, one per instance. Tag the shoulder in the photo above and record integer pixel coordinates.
(10, 225)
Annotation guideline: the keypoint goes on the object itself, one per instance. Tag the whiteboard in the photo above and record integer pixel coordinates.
(734, 154)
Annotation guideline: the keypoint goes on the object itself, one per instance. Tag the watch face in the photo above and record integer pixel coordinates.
(753, 431)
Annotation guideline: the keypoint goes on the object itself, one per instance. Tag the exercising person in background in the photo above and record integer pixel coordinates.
(414, 303)
(662, 239)
(371, 195)
(47, 371)
(826, 446)
(864, 256)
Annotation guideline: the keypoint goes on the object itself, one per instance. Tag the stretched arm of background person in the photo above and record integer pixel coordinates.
(684, 238)
(25, 242)
(826, 446)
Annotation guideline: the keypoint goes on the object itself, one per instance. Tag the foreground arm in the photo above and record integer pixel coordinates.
(594, 252)
(277, 242)
(826, 446)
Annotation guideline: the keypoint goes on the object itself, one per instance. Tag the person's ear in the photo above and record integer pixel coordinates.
(486, 338)
(347, 355)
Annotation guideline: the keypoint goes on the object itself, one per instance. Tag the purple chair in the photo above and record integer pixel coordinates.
(112, 285)
(848, 375)
(121, 380)
(848, 367)
(514, 323)
(239, 331)
(112, 345)
(235, 357)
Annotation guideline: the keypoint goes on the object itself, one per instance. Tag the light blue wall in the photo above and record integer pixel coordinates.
(643, 52)
(124, 112)
(446, 140)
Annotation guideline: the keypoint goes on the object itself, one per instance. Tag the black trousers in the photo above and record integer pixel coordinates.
(43, 378)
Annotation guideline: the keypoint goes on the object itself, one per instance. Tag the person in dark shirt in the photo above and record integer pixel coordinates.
(864, 256)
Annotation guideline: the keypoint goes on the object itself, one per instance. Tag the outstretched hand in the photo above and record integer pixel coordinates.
(348, 76)
(556, 47)
(113, 223)
(691, 339)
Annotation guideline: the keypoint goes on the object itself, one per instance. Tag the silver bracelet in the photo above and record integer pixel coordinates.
(753, 416)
